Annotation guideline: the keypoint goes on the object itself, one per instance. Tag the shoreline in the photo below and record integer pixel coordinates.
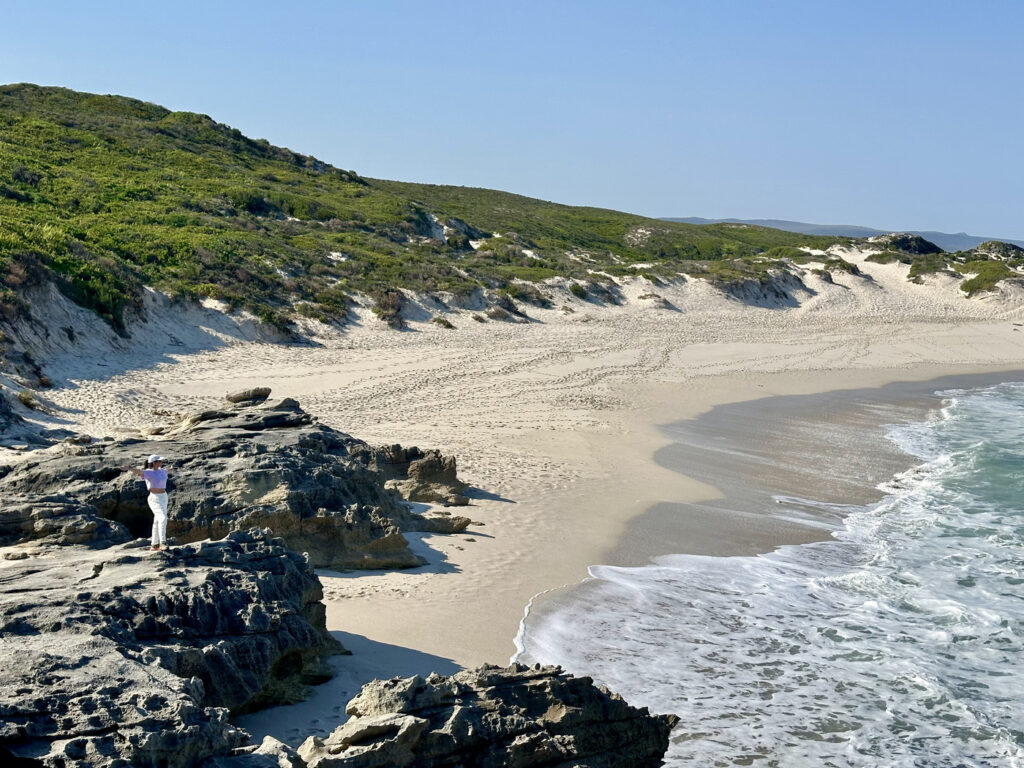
(555, 424)
(770, 496)
(403, 649)
(827, 448)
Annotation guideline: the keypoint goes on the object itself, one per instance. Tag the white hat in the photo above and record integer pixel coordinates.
(155, 457)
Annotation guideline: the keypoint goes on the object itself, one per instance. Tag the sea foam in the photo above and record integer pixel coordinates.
(898, 642)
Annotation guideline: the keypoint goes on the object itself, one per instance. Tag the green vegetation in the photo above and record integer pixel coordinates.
(986, 274)
(927, 265)
(387, 305)
(442, 321)
(841, 265)
(889, 257)
(105, 195)
(988, 263)
(733, 271)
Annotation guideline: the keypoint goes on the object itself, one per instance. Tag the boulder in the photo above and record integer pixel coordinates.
(492, 717)
(249, 396)
(423, 476)
(125, 656)
(254, 465)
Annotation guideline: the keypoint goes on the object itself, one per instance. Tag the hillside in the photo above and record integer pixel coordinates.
(106, 194)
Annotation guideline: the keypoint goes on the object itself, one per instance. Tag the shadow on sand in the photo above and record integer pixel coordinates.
(324, 710)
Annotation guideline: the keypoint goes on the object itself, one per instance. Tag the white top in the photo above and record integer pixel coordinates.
(155, 478)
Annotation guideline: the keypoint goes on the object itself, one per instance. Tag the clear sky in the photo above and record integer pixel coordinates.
(897, 115)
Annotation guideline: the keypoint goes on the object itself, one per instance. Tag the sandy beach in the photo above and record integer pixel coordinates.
(556, 424)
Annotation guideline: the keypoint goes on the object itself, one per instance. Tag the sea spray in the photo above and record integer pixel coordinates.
(898, 642)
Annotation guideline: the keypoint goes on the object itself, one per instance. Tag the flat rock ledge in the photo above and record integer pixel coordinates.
(249, 464)
(127, 657)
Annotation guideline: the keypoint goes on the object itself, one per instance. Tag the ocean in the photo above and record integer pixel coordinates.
(896, 642)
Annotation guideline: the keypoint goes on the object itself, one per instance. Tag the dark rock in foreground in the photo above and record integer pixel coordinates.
(246, 465)
(516, 716)
(124, 656)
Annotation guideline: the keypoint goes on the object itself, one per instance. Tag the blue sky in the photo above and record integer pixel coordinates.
(894, 115)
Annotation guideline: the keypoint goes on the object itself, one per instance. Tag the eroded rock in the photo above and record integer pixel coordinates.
(492, 717)
(249, 396)
(124, 656)
(423, 476)
(248, 465)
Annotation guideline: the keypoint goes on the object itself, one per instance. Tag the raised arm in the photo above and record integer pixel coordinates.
(134, 470)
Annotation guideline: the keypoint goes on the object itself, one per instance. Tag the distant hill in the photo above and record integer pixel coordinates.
(960, 241)
(105, 194)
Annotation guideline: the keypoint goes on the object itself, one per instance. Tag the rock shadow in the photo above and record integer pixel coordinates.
(482, 495)
(324, 710)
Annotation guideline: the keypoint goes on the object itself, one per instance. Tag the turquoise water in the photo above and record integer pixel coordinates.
(897, 643)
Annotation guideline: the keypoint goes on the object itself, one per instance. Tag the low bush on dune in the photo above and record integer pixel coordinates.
(387, 305)
(890, 257)
(986, 275)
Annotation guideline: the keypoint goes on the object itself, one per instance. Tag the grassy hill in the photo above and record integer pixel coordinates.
(106, 194)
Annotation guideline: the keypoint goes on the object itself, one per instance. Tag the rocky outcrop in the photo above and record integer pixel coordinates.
(424, 476)
(492, 716)
(248, 464)
(56, 520)
(906, 242)
(129, 657)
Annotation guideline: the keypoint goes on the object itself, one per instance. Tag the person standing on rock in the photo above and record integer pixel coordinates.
(156, 481)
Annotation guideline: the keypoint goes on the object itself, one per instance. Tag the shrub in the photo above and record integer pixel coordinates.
(888, 257)
(25, 176)
(387, 305)
(459, 242)
(578, 291)
(28, 398)
(499, 313)
(842, 265)
(528, 293)
(479, 318)
(442, 321)
(274, 317)
(924, 265)
(824, 274)
(987, 275)
(785, 252)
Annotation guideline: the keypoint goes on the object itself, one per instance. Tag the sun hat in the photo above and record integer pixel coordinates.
(155, 457)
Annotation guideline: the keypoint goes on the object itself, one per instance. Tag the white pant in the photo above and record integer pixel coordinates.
(158, 503)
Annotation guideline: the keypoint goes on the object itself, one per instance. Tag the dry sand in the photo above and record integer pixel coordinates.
(556, 424)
